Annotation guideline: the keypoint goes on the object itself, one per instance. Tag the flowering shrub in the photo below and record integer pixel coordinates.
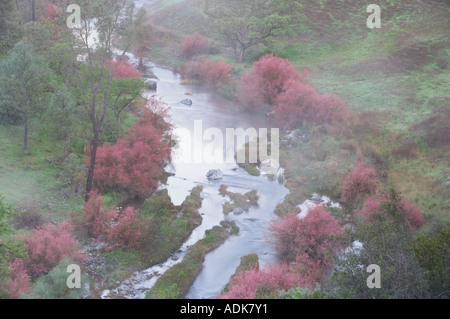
(47, 245)
(125, 70)
(192, 45)
(208, 72)
(266, 81)
(133, 164)
(408, 209)
(18, 281)
(253, 282)
(360, 183)
(130, 230)
(97, 219)
(300, 102)
(313, 235)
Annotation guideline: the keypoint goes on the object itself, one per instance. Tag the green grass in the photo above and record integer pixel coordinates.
(175, 282)
(243, 201)
(33, 176)
(170, 225)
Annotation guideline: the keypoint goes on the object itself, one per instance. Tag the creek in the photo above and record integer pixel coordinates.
(216, 112)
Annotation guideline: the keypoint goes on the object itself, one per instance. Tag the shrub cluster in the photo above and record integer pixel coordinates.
(209, 73)
(274, 82)
(193, 45)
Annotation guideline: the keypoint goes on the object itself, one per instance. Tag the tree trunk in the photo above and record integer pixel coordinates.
(90, 177)
(25, 135)
(241, 54)
(67, 145)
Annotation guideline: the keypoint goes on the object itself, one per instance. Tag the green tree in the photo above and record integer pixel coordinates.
(244, 24)
(433, 253)
(142, 35)
(61, 115)
(106, 22)
(23, 84)
(9, 26)
(388, 243)
(123, 92)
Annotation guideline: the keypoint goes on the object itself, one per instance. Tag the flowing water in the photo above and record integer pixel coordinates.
(214, 112)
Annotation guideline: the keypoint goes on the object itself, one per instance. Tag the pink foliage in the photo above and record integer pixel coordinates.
(413, 213)
(360, 183)
(410, 211)
(134, 163)
(97, 219)
(192, 45)
(18, 281)
(125, 70)
(51, 11)
(208, 72)
(47, 246)
(300, 102)
(266, 81)
(308, 239)
(245, 284)
(130, 230)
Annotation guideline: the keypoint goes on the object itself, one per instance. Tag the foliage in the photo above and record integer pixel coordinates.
(169, 228)
(244, 24)
(360, 183)
(313, 235)
(265, 283)
(308, 242)
(23, 77)
(208, 72)
(96, 219)
(374, 205)
(175, 282)
(62, 117)
(73, 173)
(47, 245)
(54, 284)
(299, 102)
(7, 211)
(193, 45)
(29, 215)
(123, 92)
(18, 282)
(388, 243)
(266, 81)
(301, 293)
(124, 70)
(9, 25)
(11, 251)
(114, 20)
(133, 164)
(130, 231)
(433, 253)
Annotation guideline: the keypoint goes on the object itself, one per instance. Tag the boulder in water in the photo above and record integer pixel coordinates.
(152, 85)
(187, 102)
(238, 211)
(214, 174)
